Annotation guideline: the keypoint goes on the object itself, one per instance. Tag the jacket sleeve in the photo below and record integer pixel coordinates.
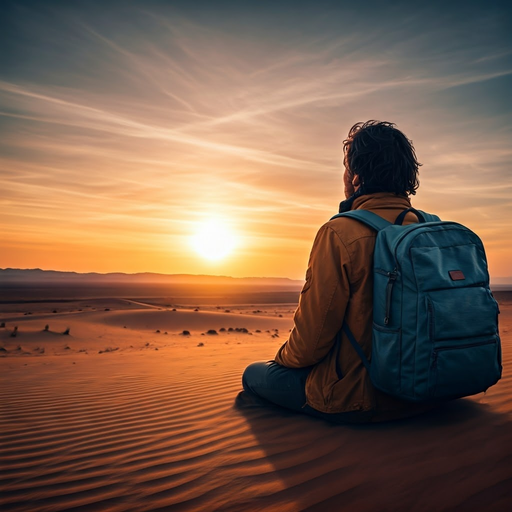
(322, 303)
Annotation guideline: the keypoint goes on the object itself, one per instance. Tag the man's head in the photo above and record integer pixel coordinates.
(379, 158)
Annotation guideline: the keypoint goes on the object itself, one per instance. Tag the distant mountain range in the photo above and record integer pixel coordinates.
(36, 275)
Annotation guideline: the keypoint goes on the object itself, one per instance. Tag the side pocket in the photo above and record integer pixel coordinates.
(385, 360)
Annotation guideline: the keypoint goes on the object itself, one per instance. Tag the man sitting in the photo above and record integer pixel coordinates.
(313, 373)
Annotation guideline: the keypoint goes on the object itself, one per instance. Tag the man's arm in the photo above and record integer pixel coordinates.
(322, 303)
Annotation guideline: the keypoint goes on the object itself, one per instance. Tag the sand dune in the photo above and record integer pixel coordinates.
(195, 321)
(144, 429)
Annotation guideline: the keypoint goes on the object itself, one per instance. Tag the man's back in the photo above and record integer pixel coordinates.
(341, 263)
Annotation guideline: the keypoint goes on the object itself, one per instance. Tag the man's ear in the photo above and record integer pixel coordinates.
(356, 181)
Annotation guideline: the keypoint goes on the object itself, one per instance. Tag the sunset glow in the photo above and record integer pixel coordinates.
(213, 240)
(122, 123)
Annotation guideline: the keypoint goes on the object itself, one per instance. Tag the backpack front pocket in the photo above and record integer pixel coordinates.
(465, 355)
(461, 313)
(464, 369)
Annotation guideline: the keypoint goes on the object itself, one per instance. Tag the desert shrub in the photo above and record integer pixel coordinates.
(46, 327)
(211, 331)
(66, 332)
(200, 344)
(186, 333)
(108, 349)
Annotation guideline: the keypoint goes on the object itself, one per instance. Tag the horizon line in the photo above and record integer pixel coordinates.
(148, 272)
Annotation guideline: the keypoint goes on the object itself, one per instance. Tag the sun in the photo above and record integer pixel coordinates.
(214, 240)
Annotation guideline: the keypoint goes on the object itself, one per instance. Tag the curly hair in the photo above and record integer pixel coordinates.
(383, 158)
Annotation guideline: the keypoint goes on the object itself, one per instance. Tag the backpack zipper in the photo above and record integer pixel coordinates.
(434, 360)
(430, 308)
(453, 347)
(419, 225)
(389, 290)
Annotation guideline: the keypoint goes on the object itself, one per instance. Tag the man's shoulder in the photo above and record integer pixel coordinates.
(349, 230)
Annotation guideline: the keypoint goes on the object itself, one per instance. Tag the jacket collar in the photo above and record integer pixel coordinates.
(381, 201)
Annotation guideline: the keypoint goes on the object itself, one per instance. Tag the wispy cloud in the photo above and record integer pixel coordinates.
(136, 127)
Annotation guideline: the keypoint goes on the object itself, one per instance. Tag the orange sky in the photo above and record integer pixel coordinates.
(121, 134)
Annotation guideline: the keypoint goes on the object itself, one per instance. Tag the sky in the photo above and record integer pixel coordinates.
(127, 128)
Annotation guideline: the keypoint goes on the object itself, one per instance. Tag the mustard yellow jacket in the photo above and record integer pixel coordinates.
(339, 286)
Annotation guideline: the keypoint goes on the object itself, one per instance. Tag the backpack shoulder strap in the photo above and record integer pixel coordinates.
(346, 329)
(429, 217)
(366, 217)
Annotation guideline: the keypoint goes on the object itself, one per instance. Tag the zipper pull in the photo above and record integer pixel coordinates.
(389, 290)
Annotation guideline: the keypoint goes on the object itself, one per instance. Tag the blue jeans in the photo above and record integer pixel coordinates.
(286, 387)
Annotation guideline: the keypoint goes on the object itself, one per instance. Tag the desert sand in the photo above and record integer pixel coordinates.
(125, 413)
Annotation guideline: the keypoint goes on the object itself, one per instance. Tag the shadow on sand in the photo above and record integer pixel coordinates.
(456, 457)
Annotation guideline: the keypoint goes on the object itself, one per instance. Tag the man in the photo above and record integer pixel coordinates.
(314, 372)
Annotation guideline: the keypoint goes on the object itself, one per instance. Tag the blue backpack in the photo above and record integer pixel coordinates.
(435, 321)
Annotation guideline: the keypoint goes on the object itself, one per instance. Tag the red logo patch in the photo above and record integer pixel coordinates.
(457, 275)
